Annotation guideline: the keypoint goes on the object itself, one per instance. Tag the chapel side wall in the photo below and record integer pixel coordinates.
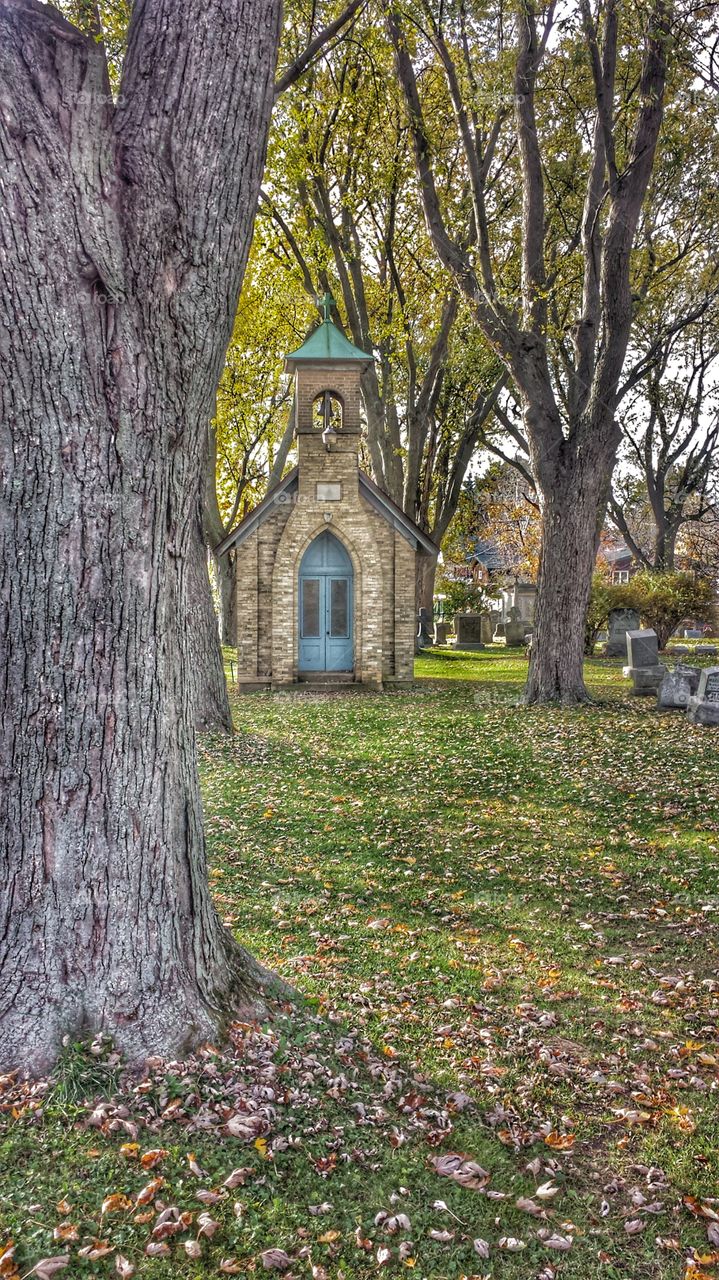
(247, 617)
(254, 566)
(405, 573)
(380, 595)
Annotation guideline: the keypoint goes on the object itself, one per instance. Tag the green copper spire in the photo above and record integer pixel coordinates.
(327, 342)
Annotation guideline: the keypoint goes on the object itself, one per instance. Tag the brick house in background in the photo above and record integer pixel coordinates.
(325, 564)
(620, 561)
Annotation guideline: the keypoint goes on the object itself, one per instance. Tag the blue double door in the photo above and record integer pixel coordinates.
(326, 606)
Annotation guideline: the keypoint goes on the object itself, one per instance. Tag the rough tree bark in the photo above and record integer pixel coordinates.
(425, 578)
(211, 705)
(123, 241)
(206, 672)
(225, 572)
(208, 687)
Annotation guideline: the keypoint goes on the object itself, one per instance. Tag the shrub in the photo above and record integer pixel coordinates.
(465, 597)
(606, 596)
(664, 599)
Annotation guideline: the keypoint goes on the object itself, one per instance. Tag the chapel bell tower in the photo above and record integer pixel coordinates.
(328, 371)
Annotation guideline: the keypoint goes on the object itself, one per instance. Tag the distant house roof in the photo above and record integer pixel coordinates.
(614, 554)
(327, 343)
(284, 492)
(492, 556)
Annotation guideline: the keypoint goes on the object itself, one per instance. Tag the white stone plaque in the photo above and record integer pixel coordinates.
(329, 492)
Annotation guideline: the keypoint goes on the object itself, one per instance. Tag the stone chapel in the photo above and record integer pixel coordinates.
(325, 564)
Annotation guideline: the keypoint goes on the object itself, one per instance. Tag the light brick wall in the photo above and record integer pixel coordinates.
(268, 561)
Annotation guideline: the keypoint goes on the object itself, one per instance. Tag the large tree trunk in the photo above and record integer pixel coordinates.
(426, 574)
(573, 488)
(210, 701)
(665, 544)
(227, 588)
(569, 548)
(122, 262)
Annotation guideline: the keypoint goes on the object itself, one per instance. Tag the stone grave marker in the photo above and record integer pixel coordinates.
(468, 629)
(644, 666)
(424, 638)
(620, 622)
(677, 687)
(514, 633)
(642, 648)
(704, 706)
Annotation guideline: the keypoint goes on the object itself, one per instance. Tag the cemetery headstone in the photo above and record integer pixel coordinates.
(514, 633)
(692, 633)
(424, 638)
(499, 636)
(644, 667)
(704, 706)
(468, 629)
(642, 648)
(441, 631)
(485, 628)
(646, 680)
(620, 622)
(706, 651)
(677, 687)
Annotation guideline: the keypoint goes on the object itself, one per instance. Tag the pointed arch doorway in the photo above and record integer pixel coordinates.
(326, 603)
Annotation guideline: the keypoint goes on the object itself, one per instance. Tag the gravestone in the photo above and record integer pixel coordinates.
(441, 631)
(692, 633)
(486, 628)
(499, 630)
(468, 629)
(706, 651)
(514, 633)
(646, 680)
(679, 648)
(704, 706)
(620, 622)
(644, 667)
(677, 687)
(642, 648)
(424, 621)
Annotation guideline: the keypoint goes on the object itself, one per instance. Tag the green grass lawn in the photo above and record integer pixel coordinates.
(505, 922)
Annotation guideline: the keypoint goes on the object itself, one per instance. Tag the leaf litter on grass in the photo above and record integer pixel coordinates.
(515, 911)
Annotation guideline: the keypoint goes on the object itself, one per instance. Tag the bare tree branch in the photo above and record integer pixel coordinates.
(297, 68)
